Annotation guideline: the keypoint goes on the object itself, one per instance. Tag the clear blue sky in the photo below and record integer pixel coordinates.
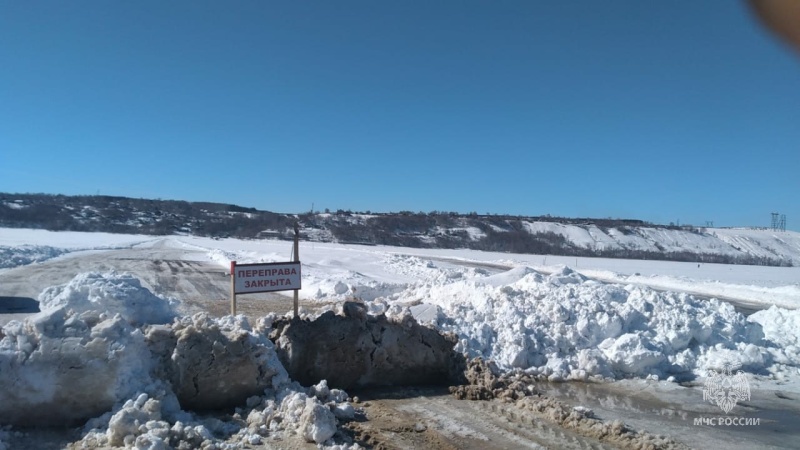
(663, 111)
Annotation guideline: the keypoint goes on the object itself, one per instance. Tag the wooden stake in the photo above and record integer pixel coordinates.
(233, 288)
(297, 259)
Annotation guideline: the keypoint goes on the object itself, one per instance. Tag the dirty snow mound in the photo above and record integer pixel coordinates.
(100, 357)
(357, 349)
(214, 364)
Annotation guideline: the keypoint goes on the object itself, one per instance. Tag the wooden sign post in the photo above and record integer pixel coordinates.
(268, 277)
(233, 288)
(297, 260)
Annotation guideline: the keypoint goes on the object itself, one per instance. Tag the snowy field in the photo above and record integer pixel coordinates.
(372, 266)
(20, 246)
(556, 318)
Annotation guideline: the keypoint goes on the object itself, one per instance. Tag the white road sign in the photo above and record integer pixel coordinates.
(267, 277)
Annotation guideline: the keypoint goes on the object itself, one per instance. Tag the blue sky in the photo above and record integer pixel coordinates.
(661, 111)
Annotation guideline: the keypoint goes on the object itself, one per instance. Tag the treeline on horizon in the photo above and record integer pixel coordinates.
(436, 229)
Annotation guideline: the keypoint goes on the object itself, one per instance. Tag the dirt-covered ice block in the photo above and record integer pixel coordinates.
(212, 366)
(357, 349)
(61, 368)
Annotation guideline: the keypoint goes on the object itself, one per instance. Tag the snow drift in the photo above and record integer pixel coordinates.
(27, 254)
(566, 327)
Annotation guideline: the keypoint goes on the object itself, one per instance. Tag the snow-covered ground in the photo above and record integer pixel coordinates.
(556, 318)
(753, 284)
(23, 246)
(69, 240)
(370, 267)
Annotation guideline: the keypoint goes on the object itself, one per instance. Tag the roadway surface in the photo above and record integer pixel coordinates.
(166, 270)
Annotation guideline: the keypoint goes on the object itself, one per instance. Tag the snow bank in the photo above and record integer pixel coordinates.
(782, 330)
(105, 347)
(144, 422)
(566, 327)
(84, 338)
(62, 366)
(20, 246)
(27, 254)
(786, 296)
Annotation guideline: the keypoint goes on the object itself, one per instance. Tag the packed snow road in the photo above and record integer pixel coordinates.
(167, 270)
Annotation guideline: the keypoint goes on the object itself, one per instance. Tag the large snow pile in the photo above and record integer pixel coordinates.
(27, 254)
(782, 332)
(564, 326)
(94, 351)
(112, 293)
(105, 347)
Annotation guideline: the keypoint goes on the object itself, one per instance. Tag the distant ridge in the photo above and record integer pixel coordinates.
(614, 238)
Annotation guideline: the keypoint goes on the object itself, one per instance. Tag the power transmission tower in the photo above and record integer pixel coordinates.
(778, 222)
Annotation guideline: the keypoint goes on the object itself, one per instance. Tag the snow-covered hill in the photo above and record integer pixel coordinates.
(520, 235)
(759, 243)
(612, 238)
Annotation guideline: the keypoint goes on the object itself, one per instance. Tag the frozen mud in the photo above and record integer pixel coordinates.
(486, 382)
(355, 349)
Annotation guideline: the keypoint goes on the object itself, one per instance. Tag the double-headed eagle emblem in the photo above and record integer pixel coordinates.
(726, 388)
